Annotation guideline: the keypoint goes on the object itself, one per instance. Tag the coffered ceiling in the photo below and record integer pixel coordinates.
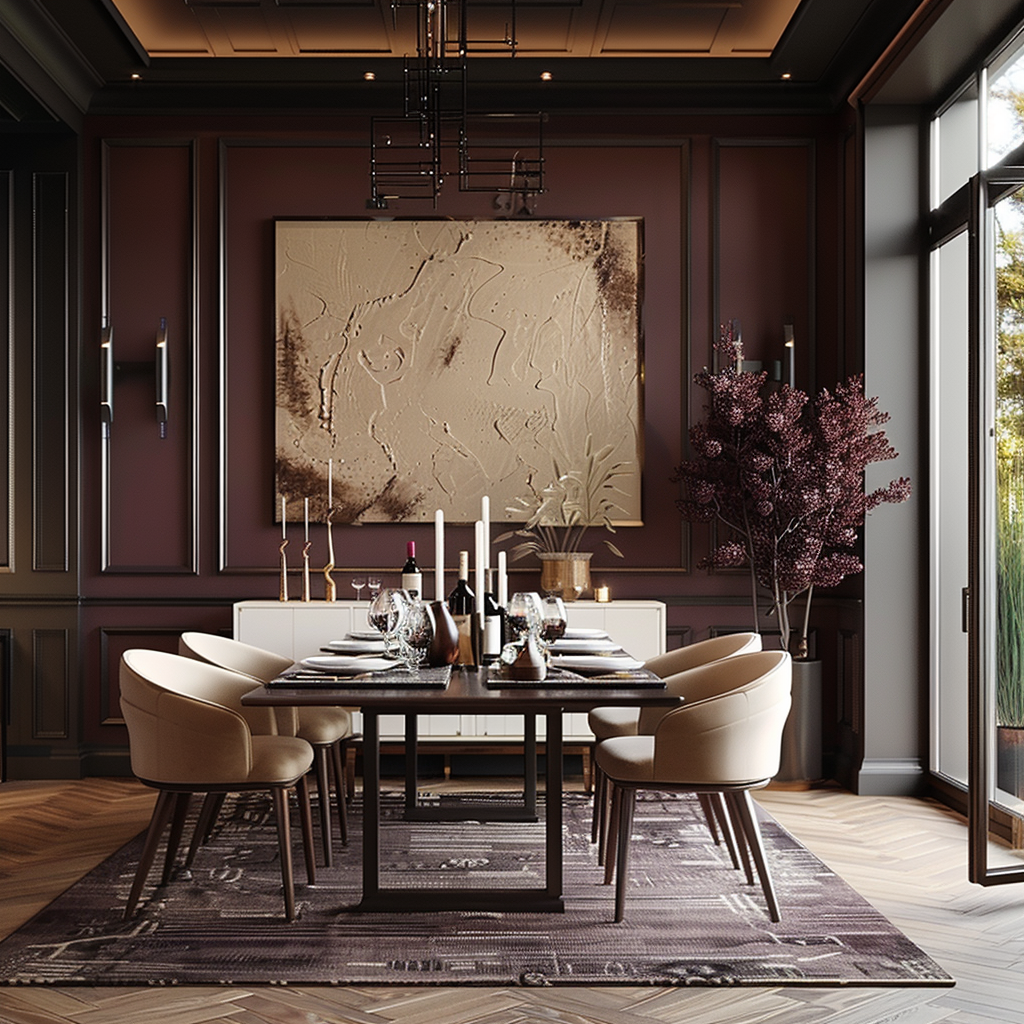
(543, 28)
(61, 59)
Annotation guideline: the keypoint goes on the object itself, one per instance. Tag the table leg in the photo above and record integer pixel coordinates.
(530, 765)
(553, 782)
(371, 805)
(411, 760)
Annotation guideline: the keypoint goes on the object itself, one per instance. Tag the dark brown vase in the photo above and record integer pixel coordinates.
(444, 647)
(1010, 759)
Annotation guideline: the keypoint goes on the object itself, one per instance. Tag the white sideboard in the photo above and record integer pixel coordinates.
(298, 629)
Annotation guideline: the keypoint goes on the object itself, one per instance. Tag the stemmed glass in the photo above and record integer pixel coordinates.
(358, 582)
(385, 614)
(415, 632)
(553, 620)
(373, 586)
(525, 615)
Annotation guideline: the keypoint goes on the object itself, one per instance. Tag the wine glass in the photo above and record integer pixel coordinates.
(525, 615)
(415, 633)
(553, 620)
(358, 582)
(373, 587)
(385, 614)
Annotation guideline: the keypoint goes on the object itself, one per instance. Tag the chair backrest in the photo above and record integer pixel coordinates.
(182, 721)
(701, 653)
(260, 665)
(729, 729)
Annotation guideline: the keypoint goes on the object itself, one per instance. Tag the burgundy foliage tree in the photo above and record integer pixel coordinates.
(785, 476)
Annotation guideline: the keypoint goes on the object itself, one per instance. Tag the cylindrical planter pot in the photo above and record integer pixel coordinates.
(566, 573)
(801, 737)
(1010, 759)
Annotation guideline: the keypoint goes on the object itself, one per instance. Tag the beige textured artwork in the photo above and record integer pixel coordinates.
(436, 361)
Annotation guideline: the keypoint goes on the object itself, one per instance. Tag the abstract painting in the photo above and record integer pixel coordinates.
(427, 363)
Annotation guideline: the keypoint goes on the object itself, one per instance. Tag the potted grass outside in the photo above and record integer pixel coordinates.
(1010, 629)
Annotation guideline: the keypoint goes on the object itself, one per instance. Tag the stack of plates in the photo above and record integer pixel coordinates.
(375, 646)
(573, 646)
(584, 633)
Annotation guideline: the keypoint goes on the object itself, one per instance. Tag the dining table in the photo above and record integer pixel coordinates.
(462, 690)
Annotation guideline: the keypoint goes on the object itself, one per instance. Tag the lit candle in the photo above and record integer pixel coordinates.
(439, 555)
(284, 521)
(485, 518)
(305, 517)
(479, 577)
(602, 594)
(502, 579)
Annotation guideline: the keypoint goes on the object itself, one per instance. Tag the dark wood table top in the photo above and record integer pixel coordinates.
(469, 692)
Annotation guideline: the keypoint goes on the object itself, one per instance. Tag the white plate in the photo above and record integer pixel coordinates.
(357, 646)
(584, 633)
(574, 646)
(594, 664)
(342, 665)
(364, 634)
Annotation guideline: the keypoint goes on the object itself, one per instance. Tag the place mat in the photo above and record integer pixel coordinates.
(394, 678)
(691, 918)
(562, 678)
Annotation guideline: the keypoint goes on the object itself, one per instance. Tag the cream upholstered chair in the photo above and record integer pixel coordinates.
(725, 738)
(606, 722)
(326, 729)
(186, 735)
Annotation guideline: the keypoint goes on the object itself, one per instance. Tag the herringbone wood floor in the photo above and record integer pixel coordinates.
(907, 856)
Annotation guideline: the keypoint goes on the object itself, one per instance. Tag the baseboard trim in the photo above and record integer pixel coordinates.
(900, 776)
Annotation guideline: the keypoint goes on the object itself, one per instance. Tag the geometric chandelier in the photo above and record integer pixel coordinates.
(438, 135)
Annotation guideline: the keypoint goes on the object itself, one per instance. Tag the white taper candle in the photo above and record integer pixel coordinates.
(502, 597)
(439, 594)
(478, 578)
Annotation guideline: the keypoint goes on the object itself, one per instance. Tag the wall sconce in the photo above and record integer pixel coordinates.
(787, 334)
(106, 379)
(162, 377)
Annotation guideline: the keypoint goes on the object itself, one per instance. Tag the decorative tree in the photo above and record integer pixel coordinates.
(785, 476)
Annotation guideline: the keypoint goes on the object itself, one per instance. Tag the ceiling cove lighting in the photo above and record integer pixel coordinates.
(439, 135)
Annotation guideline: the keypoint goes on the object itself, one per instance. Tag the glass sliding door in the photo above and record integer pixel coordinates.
(996, 535)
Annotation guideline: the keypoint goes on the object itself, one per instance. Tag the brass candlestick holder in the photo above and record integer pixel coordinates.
(282, 594)
(305, 571)
(330, 589)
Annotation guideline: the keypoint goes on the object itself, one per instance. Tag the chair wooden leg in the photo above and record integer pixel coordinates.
(709, 816)
(284, 847)
(321, 757)
(598, 804)
(212, 803)
(733, 839)
(611, 838)
(743, 806)
(181, 802)
(161, 815)
(627, 801)
(306, 823)
(339, 753)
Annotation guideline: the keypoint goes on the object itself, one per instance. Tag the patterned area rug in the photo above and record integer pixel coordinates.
(691, 919)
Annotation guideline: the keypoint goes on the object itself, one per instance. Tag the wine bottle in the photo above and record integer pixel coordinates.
(494, 621)
(461, 603)
(412, 578)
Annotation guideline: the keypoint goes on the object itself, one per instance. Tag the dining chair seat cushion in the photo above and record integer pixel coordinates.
(606, 722)
(277, 759)
(627, 758)
(324, 725)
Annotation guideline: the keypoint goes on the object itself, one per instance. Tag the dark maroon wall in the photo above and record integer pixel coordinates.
(742, 218)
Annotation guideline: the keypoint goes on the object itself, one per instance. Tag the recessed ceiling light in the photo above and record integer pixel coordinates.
(546, 76)
(369, 76)
(786, 76)
(135, 76)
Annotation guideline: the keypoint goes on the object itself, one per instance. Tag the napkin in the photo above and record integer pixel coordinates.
(596, 664)
(573, 646)
(356, 646)
(342, 665)
(584, 633)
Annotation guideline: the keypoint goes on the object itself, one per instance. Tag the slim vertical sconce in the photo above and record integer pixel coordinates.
(787, 333)
(162, 377)
(106, 379)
